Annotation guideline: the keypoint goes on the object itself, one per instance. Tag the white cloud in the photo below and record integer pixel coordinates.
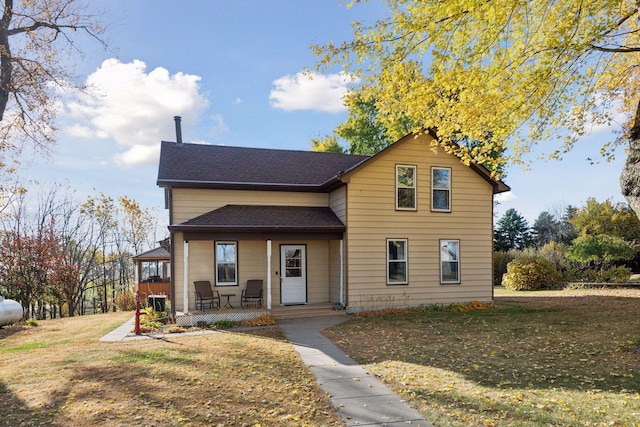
(135, 108)
(138, 154)
(219, 126)
(237, 101)
(505, 197)
(310, 92)
(79, 131)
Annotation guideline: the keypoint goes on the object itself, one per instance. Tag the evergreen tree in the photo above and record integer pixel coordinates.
(545, 229)
(512, 232)
(548, 228)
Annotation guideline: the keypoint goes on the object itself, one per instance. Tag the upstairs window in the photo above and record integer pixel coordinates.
(449, 261)
(397, 262)
(441, 189)
(405, 187)
(226, 263)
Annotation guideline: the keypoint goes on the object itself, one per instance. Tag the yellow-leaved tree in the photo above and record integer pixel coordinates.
(503, 73)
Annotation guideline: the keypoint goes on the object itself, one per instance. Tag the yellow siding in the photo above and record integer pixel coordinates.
(338, 203)
(252, 264)
(372, 218)
(189, 203)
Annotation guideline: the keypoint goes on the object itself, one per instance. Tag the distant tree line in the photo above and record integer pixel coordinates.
(595, 242)
(62, 257)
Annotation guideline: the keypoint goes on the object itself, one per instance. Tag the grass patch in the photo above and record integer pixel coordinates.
(536, 359)
(231, 378)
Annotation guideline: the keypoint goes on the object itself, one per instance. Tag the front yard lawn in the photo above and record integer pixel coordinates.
(557, 358)
(58, 373)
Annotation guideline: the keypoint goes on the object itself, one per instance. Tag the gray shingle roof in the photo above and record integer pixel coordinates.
(260, 218)
(158, 252)
(211, 166)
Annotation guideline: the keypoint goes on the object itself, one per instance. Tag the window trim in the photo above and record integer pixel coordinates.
(215, 256)
(414, 188)
(448, 189)
(457, 261)
(405, 261)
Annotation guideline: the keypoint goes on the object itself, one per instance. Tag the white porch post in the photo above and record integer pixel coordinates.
(342, 298)
(268, 274)
(185, 287)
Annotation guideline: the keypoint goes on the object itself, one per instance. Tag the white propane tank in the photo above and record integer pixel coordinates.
(10, 311)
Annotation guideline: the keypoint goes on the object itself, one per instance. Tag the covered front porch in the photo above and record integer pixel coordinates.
(299, 258)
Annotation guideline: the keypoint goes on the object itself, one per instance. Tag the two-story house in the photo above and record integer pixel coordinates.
(404, 227)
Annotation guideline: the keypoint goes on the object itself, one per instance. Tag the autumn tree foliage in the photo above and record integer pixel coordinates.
(64, 252)
(30, 259)
(607, 218)
(503, 73)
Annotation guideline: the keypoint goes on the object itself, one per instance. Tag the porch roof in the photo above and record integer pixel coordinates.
(158, 253)
(250, 218)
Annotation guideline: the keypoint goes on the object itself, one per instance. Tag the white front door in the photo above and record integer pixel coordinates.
(293, 265)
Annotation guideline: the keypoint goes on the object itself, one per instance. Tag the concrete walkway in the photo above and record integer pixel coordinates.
(125, 333)
(361, 399)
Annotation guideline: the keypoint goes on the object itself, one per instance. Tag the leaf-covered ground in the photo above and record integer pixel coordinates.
(562, 358)
(58, 373)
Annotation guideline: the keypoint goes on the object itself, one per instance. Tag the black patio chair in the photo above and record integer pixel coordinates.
(206, 295)
(252, 295)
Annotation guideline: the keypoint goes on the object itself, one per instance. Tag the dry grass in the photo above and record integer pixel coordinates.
(558, 358)
(58, 373)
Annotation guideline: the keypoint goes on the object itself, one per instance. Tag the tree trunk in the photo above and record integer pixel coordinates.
(630, 177)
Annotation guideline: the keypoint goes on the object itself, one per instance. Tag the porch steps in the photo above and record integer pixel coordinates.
(283, 312)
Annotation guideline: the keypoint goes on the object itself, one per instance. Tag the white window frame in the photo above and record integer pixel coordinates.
(405, 261)
(217, 262)
(447, 189)
(402, 186)
(445, 258)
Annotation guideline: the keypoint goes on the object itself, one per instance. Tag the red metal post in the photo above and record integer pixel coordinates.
(137, 329)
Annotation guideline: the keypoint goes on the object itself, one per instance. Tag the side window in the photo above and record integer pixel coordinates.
(226, 263)
(441, 189)
(449, 261)
(397, 271)
(405, 187)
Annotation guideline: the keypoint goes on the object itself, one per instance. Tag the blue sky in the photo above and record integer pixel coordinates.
(232, 70)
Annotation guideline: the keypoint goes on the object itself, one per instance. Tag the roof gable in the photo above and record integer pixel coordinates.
(498, 185)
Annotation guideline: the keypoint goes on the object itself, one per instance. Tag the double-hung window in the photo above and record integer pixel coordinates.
(226, 263)
(405, 187)
(397, 271)
(449, 261)
(441, 189)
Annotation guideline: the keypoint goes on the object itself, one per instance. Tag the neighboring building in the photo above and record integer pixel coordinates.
(404, 227)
